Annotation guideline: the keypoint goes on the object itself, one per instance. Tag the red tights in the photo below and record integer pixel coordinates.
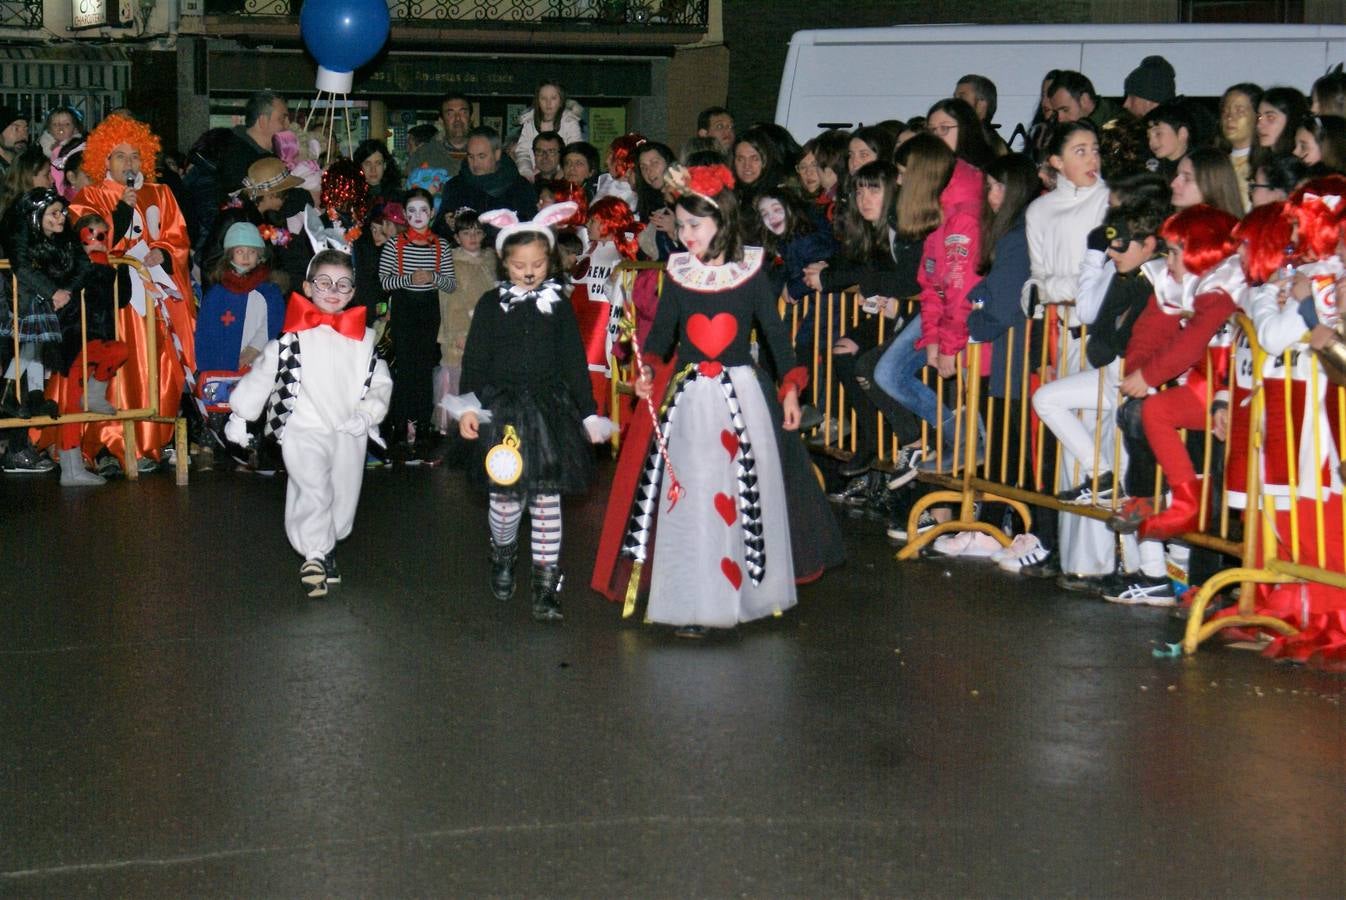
(1163, 414)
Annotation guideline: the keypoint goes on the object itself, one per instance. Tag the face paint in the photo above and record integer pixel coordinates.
(418, 214)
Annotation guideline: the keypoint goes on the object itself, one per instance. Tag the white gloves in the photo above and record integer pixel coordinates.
(236, 431)
(600, 428)
(357, 425)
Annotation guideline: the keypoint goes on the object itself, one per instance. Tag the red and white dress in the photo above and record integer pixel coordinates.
(593, 301)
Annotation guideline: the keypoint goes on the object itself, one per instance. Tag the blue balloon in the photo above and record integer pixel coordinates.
(343, 35)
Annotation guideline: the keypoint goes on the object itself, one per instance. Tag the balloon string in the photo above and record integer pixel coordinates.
(675, 489)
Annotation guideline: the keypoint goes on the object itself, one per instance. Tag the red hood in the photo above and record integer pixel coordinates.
(963, 193)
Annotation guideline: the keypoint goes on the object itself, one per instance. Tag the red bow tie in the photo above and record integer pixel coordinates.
(301, 315)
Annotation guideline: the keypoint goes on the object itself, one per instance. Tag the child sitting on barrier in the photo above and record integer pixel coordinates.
(323, 391)
(1191, 305)
(49, 269)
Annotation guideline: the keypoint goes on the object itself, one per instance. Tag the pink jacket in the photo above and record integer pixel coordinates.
(949, 262)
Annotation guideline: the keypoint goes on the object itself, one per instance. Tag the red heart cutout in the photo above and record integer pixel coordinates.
(711, 336)
(730, 442)
(732, 572)
(724, 505)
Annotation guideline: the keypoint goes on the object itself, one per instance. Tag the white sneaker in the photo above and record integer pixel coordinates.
(968, 545)
(1021, 544)
(904, 468)
(1032, 552)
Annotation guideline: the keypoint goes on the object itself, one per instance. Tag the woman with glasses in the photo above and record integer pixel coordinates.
(1276, 179)
(956, 124)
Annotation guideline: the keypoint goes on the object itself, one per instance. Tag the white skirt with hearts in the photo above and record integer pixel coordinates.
(731, 522)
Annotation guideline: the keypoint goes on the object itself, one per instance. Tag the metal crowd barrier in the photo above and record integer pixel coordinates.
(1266, 533)
(127, 417)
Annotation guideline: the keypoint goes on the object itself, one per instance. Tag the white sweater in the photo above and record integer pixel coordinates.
(1058, 226)
(570, 128)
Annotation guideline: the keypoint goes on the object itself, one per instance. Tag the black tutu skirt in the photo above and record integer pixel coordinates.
(557, 455)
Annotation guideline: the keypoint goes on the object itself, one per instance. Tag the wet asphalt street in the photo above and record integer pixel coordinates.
(178, 721)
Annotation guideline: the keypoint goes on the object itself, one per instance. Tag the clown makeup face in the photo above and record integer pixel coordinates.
(418, 213)
(331, 287)
(527, 263)
(124, 160)
(53, 219)
(94, 237)
(773, 215)
(695, 232)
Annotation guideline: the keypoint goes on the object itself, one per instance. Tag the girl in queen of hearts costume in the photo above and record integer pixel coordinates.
(323, 392)
(724, 553)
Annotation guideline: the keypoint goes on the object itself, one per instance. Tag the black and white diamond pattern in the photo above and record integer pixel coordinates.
(645, 505)
(749, 498)
(289, 371)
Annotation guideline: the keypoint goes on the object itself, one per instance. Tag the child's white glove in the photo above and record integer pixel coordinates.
(236, 430)
(357, 425)
(600, 428)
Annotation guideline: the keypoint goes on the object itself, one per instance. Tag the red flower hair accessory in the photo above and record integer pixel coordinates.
(707, 182)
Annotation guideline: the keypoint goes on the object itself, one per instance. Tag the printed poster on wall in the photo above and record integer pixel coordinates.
(605, 124)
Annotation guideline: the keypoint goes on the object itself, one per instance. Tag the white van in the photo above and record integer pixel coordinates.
(846, 77)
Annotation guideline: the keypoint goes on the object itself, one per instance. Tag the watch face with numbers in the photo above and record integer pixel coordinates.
(504, 464)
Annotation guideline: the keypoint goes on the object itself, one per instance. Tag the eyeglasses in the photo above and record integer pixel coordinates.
(1254, 185)
(328, 286)
(941, 130)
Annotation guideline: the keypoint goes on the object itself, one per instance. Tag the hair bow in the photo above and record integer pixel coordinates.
(1331, 201)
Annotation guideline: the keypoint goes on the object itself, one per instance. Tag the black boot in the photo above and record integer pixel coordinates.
(39, 405)
(502, 569)
(546, 585)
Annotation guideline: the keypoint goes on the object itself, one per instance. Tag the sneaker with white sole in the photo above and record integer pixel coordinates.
(1086, 494)
(1021, 544)
(1140, 589)
(905, 467)
(897, 531)
(1031, 552)
(967, 545)
(313, 576)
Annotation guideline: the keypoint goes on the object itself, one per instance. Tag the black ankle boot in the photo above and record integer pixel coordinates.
(546, 585)
(39, 405)
(502, 569)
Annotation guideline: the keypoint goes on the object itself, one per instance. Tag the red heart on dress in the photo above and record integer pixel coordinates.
(732, 572)
(711, 336)
(730, 442)
(724, 505)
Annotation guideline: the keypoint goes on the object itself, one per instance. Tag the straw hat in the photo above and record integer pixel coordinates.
(268, 176)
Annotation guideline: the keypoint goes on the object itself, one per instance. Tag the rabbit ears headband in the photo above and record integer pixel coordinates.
(508, 222)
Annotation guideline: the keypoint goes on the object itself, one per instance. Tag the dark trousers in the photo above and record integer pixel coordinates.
(414, 323)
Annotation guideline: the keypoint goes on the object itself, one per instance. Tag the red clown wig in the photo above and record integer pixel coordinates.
(563, 191)
(111, 132)
(622, 153)
(1319, 209)
(1206, 235)
(617, 224)
(1266, 232)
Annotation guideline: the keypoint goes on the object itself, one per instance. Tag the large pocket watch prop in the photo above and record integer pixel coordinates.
(504, 463)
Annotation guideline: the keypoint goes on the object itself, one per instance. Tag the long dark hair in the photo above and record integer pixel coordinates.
(864, 240)
(1292, 104)
(1020, 178)
(972, 146)
(797, 220)
(649, 198)
(390, 186)
(723, 209)
(537, 106)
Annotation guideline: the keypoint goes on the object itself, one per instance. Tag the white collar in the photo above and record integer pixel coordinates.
(692, 273)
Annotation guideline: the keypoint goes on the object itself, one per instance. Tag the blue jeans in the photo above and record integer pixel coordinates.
(898, 375)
